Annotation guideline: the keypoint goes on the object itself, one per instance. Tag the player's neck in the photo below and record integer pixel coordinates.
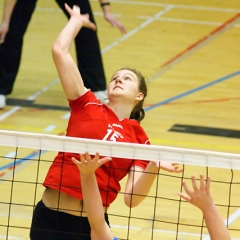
(122, 110)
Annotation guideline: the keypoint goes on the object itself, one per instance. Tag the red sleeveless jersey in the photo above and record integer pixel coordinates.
(91, 119)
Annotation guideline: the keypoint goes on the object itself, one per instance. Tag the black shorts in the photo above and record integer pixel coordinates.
(49, 224)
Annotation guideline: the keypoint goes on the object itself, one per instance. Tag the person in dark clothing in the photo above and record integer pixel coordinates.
(16, 17)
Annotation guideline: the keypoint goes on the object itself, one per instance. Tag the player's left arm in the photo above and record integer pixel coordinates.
(139, 183)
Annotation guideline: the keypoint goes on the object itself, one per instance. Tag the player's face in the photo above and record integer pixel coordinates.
(124, 83)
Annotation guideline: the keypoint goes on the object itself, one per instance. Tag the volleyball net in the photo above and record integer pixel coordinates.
(26, 157)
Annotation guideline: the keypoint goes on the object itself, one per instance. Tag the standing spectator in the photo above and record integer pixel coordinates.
(16, 17)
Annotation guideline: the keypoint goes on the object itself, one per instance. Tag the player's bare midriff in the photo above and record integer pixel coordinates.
(63, 202)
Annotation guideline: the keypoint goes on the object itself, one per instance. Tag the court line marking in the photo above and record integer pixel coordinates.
(11, 155)
(16, 215)
(158, 230)
(66, 116)
(59, 10)
(179, 57)
(44, 89)
(50, 128)
(153, 4)
(9, 112)
(20, 163)
(142, 25)
(195, 46)
(30, 98)
(186, 52)
(192, 91)
(232, 218)
(24, 159)
(216, 100)
(228, 221)
(11, 237)
(187, 21)
(178, 233)
(215, 9)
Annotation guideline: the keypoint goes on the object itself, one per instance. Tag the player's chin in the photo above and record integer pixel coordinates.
(115, 94)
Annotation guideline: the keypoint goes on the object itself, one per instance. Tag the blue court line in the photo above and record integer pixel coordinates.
(12, 164)
(191, 91)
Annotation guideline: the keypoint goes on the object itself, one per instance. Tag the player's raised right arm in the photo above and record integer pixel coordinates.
(68, 72)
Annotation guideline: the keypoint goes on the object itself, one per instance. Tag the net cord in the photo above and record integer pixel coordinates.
(120, 150)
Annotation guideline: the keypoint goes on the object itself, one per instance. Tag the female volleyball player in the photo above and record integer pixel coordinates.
(61, 212)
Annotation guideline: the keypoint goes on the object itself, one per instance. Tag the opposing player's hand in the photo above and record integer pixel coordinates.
(88, 165)
(114, 22)
(83, 18)
(199, 196)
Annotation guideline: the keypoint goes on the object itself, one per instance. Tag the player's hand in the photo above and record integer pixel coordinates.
(199, 196)
(83, 18)
(170, 167)
(114, 22)
(87, 164)
(3, 31)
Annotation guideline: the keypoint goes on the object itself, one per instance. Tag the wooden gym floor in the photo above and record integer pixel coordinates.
(189, 50)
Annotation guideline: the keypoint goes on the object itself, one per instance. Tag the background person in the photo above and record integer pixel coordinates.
(16, 17)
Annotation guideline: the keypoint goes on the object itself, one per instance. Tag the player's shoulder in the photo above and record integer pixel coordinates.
(87, 99)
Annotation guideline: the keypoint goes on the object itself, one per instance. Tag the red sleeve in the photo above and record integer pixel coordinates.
(141, 163)
(142, 138)
(81, 101)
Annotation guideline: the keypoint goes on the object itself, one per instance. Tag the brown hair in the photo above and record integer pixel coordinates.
(138, 112)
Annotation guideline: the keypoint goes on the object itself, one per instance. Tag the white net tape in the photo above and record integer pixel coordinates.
(121, 150)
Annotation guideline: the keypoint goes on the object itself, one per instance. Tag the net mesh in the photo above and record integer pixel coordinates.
(26, 157)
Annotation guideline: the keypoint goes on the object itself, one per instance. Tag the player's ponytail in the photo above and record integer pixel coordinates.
(138, 112)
